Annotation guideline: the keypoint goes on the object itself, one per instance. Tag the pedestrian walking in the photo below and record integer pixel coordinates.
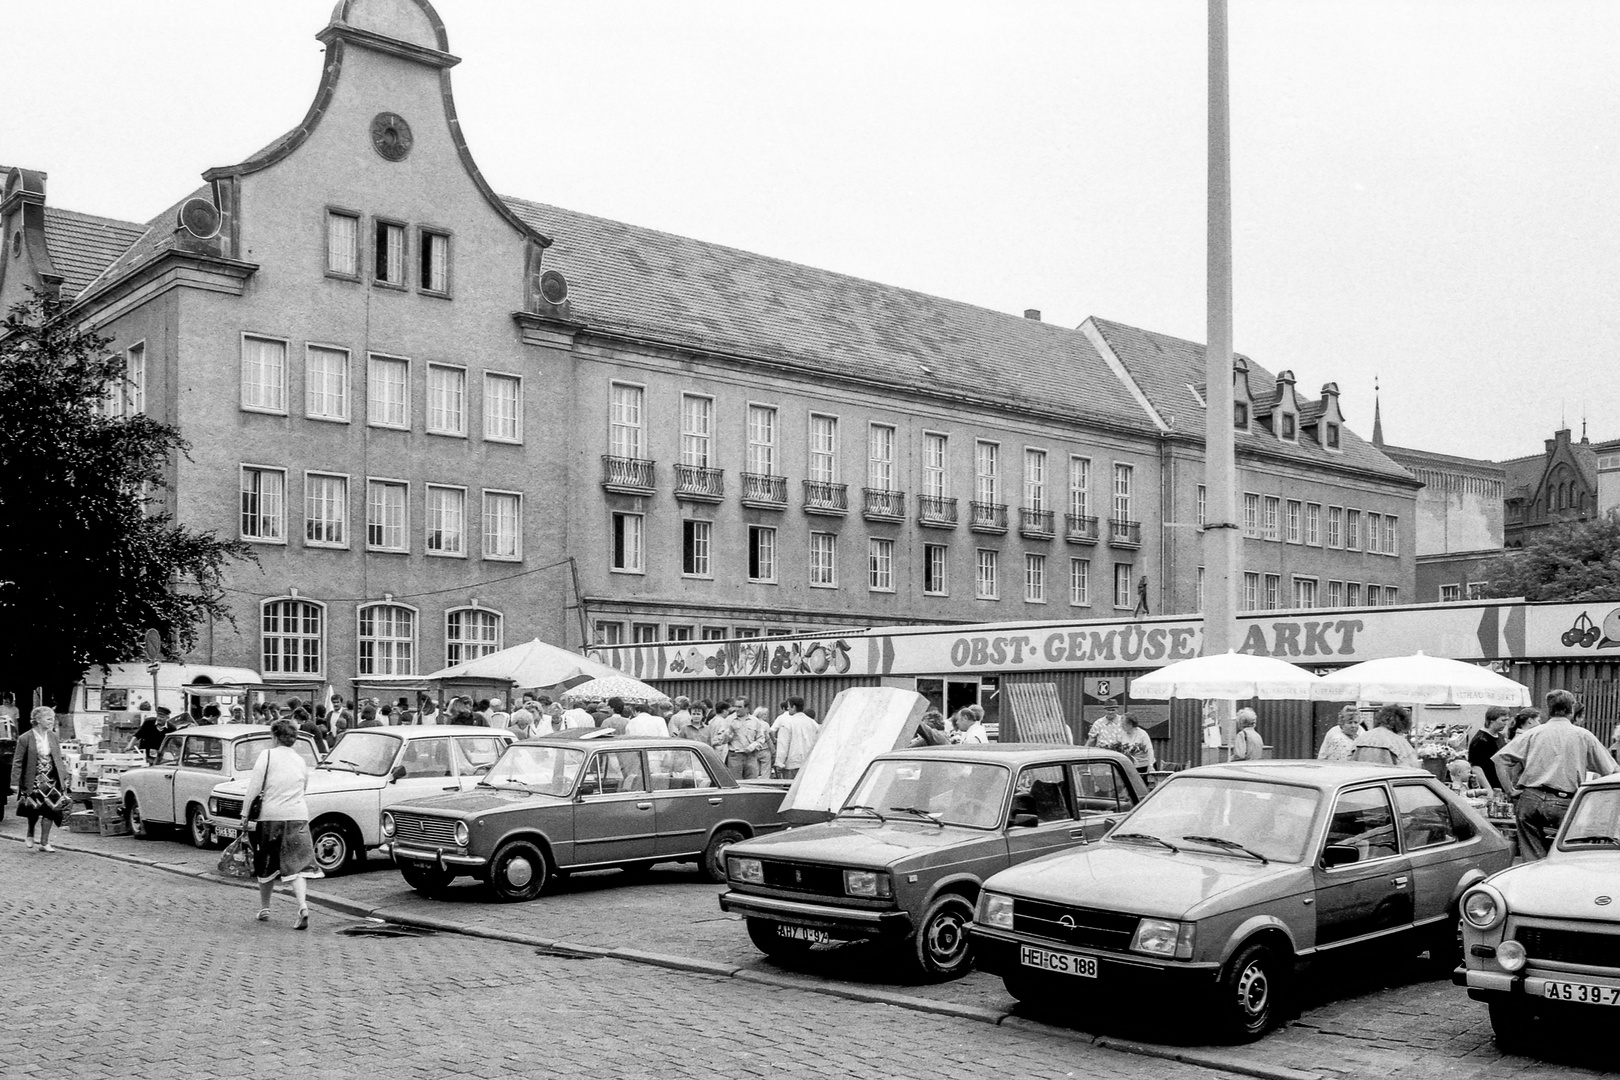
(767, 745)
(1486, 742)
(645, 725)
(40, 776)
(1385, 742)
(1542, 767)
(1247, 745)
(795, 738)
(1340, 741)
(282, 846)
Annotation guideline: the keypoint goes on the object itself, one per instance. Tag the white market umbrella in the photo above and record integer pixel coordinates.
(531, 664)
(1420, 680)
(630, 691)
(1233, 676)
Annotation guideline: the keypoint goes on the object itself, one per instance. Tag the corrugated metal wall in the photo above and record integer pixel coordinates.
(817, 690)
(1592, 682)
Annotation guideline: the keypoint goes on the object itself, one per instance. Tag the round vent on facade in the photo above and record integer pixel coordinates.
(200, 218)
(553, 287)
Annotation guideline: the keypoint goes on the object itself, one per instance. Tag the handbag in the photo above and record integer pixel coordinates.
(236, 861)
(251, 820)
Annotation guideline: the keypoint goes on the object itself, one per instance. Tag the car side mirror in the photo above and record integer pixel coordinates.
(398, 773)
(1025, 821)
(1339, 855)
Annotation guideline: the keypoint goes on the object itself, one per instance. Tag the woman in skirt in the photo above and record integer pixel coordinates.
(281, 842)
(40, 776)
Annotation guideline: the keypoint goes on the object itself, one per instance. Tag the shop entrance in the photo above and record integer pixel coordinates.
(949, 694)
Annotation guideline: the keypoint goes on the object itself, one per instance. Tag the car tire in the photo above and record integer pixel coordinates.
(1513, 1024)
(198, 830)
(335, 846)
(762, 932)
(139, 827)
(425, 878)
(519, 871)
(714, 856)
(1248, 995)
(941, 948)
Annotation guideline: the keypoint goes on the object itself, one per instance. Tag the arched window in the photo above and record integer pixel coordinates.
(387, 640)
(292, 634)
(470, 633)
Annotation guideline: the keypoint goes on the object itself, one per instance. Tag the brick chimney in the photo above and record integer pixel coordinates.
(1032, 314)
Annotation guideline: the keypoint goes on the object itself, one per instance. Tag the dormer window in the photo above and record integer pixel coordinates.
(1330, 435)
(1289, 427)
(1240, 415)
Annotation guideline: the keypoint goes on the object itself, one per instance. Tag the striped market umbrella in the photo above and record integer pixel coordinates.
(632, 691)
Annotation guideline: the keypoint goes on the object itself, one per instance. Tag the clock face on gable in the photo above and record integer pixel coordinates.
(390, 136)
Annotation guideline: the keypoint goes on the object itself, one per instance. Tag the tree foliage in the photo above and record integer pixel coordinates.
(1578, 561)
(88, 560)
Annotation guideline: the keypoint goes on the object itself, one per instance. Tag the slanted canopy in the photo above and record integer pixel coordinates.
(1420, 680)
(531, 664)
(1234, 676)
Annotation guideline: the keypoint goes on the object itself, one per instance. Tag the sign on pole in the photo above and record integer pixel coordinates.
(154, 646)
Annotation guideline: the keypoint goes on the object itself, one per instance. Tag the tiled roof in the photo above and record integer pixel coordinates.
(1429, 457)
(1163, 366)
(156, 236)
(691, 293)
(83, 245)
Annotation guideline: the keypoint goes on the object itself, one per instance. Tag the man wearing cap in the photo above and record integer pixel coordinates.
(1541, 769)
(149, 736)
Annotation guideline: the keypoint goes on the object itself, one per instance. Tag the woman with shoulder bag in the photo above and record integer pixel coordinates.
(40, 776)
(282, 846)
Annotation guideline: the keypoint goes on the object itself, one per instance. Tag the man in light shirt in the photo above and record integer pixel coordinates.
(578, 718)
(1248, 745)
(969, 729)
(1340, 741)
(795, 738)
(680, 721)
(644, 725)
(1541, 769)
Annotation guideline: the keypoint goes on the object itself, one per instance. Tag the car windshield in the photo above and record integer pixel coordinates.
(246, 752)
(954, 792)
(1271, 820)
(1594, 820)
(550, 770)
(369, 752)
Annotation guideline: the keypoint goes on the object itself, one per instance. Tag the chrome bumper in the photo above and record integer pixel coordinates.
(859, 921)
(437, 856)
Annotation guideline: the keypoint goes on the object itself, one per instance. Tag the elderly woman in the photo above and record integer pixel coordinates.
(1385, 743)
(1138, 745)
(282, 847)
(40, 776)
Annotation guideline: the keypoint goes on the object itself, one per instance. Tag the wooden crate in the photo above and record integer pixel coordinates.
(83, 821)
(117, 827)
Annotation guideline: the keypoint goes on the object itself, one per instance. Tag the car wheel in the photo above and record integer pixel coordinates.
(334, 847)
(714, 856)
(198, 830)
(426, 878)
(762, 932)
(1513, 1024)
(138, 825)
(519, 871)
(1247, 995)
(941, 948)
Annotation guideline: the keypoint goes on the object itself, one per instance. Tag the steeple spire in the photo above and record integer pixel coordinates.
(1378, 417)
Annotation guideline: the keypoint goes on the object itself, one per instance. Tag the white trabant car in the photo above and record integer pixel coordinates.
(367, 771)
(190, 763)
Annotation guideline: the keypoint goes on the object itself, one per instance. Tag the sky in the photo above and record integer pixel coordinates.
(1423, 189)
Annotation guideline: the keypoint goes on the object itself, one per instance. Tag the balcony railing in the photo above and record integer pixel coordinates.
(1124, 533)
(699, 483)
(988, 517)
(880, 504)
(634, 476)
(936, 512)
(821, 497)
(764, 492)
(1035, 524)
(1082, 528)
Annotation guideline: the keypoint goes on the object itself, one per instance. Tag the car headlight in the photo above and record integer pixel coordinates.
(996, 911)
(463, 834)
(387, 824)
(1483, 907)
(866, 883)
(213, 806)
(1163, 937)
(1510, 956)
(749, 870)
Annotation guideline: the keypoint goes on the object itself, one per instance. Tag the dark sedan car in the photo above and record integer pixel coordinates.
(556, 804)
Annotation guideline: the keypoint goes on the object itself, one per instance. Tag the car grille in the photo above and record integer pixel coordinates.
(1570, 946)
(798, 877)
(229, 808)
(1074, 926)
(431, 830)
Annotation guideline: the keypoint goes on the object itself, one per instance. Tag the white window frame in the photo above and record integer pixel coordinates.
(1335, 593)
(1079, 486)
(607, 632)
(334, 268)
(492, 421)
(1352, 594)
(1392, 544)
(1304, 585)
(481, 646)
(635, 554)
(762, 432)
(823, 573)
(436, 409)
(1198, 592)
(1451, 594)
(1288, 419)
(986, 574)
(1034, 578)
(936, 564)
(1335, 527)
(135, 379)
(762, 554)
(822, 441)
(1202, 505)
(881, 441)
(1079, 582)
(1294, 521)
(1313, 524)
(1273, 592)
(1124, 482)
(276, 388)
(697, 430)
(1374, 594)
(1251, 591)
(393, 664)
(491, 497)
(1270, 517)
(702, 554)
(387, 360)
(1124, 592)
(341, 414)
(428, 238)
(879, 564)
(319, 637)
(1251, 516)
(310, 476)
(936, 465)
(396, 271)
(1332, 437)
(1034, 479)
(987, 472)
(1372, 524)
(387, 483)
(627, 420)
(442, 551)
(279, 535)
(1352, 538)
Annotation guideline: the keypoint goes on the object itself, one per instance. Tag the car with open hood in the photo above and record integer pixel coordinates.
(368, 770)
(904, 858)
(1229, 879)
(561, 803)
(1542, 939)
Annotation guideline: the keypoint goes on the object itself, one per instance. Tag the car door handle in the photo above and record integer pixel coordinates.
(716, 802)
(643, 806)
(1400, 882)
(1077, 834)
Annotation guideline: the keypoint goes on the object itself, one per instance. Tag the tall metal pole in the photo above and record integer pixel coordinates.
(1221, 535)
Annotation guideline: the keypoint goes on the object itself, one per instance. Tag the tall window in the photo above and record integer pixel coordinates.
(387, 640)
(936, 467)
(326, 383)
(1352, 529)
(1273, 592)
(1335, 594)
(1251, 515)
(1294, 522)
(643, 633)
(695, 548)
(447, 400)
(389, 263)
(386, 518)
(697, 428)
(1304, 592)
(1313, 524)
(503, 525)
(762, 440)
(823, 449)
(342, 243)
(503, 408)
(1270, 508)
(626, 554)
(135, 380)
(609, 633)
(880, 564)
(1352, 594)
(1080, 582)
(1335, 526)
(935, 561)
(1375, 525)
(1035, 479)
(1390, 547)
(823, 560)
(470, 633)
(1198, 591)
(1203, 505)
(1080, 486)
(1375, 596)
(1389, 595)
(986, 575)
(326, 510)
(1251, 592)
(1450, 594)
(761, 553)
(435, 267)
(446, 520)
(880, 457)
(624, 421)
(291, 636)
(264, 504)
(388, 392)
(264, 374)
(1123, 597)
(987, 472)
(1035, 578)
(1122, 493)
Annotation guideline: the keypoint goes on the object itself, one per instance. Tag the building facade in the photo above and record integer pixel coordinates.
(1568, 481)
(1460, 519)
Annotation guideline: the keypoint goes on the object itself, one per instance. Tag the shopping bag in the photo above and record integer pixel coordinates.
(236, 861)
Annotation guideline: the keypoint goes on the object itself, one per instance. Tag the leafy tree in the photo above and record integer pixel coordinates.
(88, 561)
(1578, 561)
